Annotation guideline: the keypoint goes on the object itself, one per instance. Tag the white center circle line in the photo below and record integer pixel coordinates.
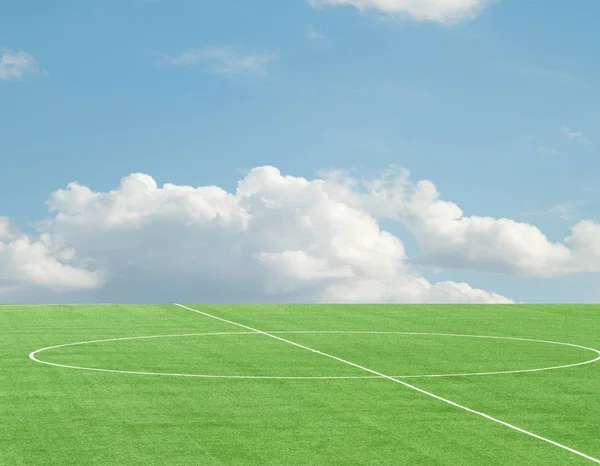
(33, 357)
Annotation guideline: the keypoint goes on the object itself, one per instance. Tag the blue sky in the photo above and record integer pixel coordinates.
(499, 110)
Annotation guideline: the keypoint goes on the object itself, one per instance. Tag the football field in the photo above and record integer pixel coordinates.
(172, 384)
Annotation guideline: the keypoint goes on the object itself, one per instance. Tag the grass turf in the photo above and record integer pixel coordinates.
(57, 416)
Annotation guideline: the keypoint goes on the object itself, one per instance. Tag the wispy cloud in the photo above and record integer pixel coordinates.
(14, 65)
(576, 136)
(440, 11)
(563, 210)
(223, 60)
(313, 34)
(547, 150)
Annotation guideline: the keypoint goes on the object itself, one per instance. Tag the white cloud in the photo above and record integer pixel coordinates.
(28, 264)
(277, 238)
(576, 136)
(223, 60)
(449, 239)
(441, 11)
(14, 65)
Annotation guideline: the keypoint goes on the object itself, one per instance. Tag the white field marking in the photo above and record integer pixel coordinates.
(412, 387)
(33, 357)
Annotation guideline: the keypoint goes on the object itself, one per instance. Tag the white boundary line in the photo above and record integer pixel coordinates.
(412, 387)
(33, 357)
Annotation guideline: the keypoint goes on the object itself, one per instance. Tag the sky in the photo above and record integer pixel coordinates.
(299, 151)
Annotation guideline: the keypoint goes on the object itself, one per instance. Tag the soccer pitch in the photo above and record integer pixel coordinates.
(299, 384)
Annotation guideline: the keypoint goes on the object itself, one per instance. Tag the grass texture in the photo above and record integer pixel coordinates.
(53, 415)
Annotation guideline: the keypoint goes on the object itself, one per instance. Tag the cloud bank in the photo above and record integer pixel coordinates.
(277, 238)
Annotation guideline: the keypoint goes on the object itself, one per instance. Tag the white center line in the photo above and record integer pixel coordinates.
(445, 400)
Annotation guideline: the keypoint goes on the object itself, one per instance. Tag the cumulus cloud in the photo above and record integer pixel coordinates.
(30, 264)
(441, 11)
(223, 60)
(276, 238)
(450, 239)
(14, 65)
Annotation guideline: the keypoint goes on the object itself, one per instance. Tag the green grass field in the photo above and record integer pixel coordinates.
(151, 401)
